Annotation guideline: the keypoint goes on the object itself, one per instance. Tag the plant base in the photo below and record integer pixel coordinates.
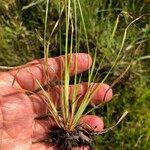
(66, 140)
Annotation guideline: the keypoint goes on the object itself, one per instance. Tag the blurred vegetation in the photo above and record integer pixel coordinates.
(21, 40)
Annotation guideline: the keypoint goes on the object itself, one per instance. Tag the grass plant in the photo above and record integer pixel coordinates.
(107, 35)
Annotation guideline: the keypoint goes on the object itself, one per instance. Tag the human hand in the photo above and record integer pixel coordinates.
(18, 126)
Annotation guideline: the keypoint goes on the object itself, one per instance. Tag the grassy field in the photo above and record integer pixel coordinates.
(21, 40)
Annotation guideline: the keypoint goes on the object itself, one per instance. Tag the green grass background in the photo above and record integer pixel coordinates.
(21, 40)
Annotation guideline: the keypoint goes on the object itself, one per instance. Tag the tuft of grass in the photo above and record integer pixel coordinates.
(22, 40)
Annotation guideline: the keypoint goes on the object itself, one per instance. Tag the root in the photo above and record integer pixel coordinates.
(66, 140)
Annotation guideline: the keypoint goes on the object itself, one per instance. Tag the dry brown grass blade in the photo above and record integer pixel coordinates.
(52, 108)
(112, 127)
(17, 67)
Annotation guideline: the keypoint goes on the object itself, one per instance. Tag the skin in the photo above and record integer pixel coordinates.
(18, 126)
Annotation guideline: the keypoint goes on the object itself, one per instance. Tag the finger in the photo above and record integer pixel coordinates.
(7, 80)
(27, 76)
(92, 122)
(103, 94)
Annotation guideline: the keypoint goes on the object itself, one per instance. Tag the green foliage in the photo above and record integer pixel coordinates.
(133, 133)
(21, 40)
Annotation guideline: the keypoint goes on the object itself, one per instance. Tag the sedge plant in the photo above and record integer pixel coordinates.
(67, 117)
(71, 111)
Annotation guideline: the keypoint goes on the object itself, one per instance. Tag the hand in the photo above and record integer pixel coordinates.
(18, 126)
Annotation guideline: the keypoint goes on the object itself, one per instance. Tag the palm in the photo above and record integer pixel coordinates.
(18, 127)
(18, 121)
